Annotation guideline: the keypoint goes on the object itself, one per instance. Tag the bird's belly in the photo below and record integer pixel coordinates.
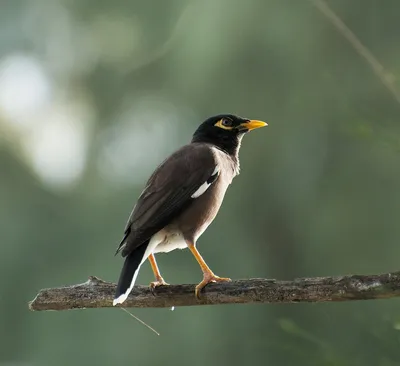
(172, 240)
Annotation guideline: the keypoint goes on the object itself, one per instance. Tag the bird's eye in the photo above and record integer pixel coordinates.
(226, 123)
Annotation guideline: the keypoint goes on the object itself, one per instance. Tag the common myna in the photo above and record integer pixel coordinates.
(181, 198)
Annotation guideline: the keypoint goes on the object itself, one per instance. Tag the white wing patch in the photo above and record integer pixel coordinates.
(207, 183)
(201, 190)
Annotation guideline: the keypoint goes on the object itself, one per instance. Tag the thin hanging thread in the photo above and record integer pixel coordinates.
(140, 321)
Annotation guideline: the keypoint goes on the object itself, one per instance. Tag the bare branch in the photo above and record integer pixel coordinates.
(387, 78)
(96, 293)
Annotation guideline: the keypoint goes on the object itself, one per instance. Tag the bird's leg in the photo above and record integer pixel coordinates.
(208, 275)
(159, 280)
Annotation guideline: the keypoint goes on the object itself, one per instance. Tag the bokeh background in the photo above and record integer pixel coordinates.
(94, 94)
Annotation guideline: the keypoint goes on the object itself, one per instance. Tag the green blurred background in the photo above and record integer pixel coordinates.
(94, 94)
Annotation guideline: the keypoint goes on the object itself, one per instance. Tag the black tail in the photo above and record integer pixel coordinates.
(129, 273)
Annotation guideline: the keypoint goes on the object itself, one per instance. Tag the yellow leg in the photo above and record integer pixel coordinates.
(159, 280)
(208, 275)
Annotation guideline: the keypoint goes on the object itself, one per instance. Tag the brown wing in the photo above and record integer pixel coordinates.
(168, 192)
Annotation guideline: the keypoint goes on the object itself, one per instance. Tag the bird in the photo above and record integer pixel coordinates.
(181, 199)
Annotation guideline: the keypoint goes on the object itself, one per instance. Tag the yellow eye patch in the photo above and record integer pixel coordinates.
(225, 124)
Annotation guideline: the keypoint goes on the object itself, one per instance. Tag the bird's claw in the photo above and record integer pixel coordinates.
(159, 282)
(208, 278)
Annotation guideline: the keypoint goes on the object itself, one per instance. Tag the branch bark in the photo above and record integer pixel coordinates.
(96, 293)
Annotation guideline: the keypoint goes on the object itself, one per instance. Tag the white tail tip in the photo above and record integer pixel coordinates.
(120, 299)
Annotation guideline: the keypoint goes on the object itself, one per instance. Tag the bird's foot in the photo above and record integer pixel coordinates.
(159, 282)
(208, 278)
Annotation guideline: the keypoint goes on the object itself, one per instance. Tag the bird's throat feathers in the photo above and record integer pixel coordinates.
(230, 144)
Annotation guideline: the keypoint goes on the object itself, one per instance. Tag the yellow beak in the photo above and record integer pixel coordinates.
(253, 124)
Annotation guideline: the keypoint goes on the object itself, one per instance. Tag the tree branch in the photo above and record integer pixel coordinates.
(386, 77)
(96, 293)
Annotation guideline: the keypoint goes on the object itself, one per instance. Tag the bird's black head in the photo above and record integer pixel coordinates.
(225, 131)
